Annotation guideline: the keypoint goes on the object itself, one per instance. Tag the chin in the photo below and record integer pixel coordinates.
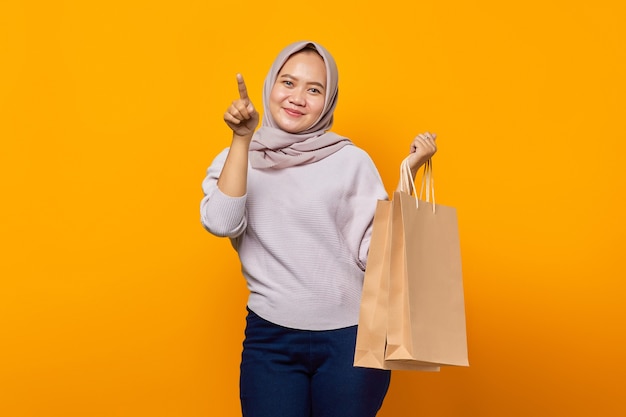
(290, 128)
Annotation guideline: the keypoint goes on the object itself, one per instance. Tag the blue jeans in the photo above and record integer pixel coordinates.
(299, 373)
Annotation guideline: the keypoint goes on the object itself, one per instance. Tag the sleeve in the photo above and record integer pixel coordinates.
(364, 190)
(220, 214)
(375, 191)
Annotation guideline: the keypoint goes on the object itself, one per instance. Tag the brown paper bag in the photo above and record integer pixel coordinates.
(372, 330)
(426, 316)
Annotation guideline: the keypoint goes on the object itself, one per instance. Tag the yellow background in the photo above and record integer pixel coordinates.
(115, 302)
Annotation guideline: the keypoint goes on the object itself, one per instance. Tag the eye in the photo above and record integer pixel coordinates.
(287, 83)
(315, 90)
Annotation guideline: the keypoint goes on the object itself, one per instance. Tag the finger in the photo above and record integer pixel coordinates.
(428, 144)
(241, 84)
(428, 139)
(427, 136)
(423, 143)
(229, 118)
(237, 110)
(421, 139)
(240, 110)
(418, 141)
(250, 109)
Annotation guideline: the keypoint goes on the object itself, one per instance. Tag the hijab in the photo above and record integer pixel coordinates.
(272, 147)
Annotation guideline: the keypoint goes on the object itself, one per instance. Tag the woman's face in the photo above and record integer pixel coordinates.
(298, 96)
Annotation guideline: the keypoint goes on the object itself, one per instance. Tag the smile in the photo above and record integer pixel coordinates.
(292, 112)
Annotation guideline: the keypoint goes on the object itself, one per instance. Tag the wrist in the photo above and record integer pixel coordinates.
(242, 138)
(416, 164)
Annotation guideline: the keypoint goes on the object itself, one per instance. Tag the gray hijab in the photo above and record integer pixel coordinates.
(272, 147)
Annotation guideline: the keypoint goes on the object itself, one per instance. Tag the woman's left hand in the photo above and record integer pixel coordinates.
(423, 148)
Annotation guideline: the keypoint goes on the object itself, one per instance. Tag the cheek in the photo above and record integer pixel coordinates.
(276, 96)
(317, 107)
(273, 98)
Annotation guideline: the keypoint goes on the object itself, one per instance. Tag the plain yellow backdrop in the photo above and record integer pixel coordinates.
(114, 302)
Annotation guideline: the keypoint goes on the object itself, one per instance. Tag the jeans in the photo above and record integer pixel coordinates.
(300, 373)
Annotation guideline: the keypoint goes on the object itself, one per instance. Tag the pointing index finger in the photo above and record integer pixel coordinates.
(241, 84)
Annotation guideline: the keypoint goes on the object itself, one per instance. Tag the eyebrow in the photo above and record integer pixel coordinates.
(309, 83)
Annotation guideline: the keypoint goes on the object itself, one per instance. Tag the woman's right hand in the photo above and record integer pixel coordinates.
(241, 116)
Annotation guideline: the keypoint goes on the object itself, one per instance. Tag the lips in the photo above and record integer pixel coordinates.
(293, 112)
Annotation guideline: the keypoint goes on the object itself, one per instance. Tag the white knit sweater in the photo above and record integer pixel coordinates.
(302, 234)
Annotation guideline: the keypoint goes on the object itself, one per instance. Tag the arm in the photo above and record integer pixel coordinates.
(423, 148)
(220, 214)
(243, 119)
(222, 210)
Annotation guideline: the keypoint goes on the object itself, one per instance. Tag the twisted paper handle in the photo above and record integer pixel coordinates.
(428, 182)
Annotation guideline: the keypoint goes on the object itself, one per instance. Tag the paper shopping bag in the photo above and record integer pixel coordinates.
(372, 329)
(426, 316)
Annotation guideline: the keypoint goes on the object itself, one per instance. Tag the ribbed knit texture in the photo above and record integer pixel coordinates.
(302, 234)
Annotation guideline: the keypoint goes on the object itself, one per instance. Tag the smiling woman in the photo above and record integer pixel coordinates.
(303, 254)
(297, 99)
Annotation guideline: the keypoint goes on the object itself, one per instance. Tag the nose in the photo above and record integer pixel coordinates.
(297, 97)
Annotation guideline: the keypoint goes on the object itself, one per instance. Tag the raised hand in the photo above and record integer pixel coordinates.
(423, 148)
(241, 116)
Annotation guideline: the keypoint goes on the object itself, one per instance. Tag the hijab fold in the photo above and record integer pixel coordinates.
(272, 147)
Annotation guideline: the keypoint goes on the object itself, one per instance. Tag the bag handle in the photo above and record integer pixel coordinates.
(407, 184)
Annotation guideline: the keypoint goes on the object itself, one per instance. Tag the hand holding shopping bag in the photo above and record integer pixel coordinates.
(415, 284)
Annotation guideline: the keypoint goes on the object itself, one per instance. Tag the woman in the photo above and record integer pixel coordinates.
(297, 202)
